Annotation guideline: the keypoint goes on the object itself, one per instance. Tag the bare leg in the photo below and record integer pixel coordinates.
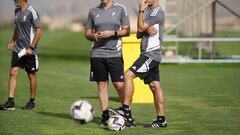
(129, 87)
(103, 94)
(158, 97)
(33, 84)
(13, 81)
(119, 86)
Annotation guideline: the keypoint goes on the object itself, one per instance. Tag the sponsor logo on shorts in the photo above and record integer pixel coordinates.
(91, 74)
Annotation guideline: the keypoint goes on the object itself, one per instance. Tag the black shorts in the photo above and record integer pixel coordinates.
(146, 69)
(29, 63)
(102, 67)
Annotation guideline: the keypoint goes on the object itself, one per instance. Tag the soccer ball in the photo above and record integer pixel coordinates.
(116, 123)
(82, 111)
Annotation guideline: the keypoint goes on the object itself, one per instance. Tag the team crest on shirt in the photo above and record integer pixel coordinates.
(24, 18)
(97, 16)
(113, 13)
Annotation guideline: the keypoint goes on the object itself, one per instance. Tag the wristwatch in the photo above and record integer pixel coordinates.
(140, 11)
(116, 34)
(31, 48)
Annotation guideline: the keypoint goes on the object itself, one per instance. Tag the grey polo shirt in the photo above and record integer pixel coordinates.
(151, 45)
(100, 19)
(26, 21)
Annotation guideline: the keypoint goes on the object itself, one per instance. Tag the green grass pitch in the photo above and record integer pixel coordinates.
(201, 99)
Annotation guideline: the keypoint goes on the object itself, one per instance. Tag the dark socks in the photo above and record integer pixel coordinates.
(126, 107)
(127, 110)
(11, 99)
(32, 99)
(105, 115)
(161, 119)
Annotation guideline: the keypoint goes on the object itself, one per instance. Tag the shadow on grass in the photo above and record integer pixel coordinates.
(58, 115)
(96, 120)
(114, 99)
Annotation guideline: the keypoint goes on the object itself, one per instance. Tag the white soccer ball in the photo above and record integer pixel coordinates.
(82, 111)
(116, 123)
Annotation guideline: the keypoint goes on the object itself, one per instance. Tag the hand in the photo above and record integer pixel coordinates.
(152, 31)
(29, 52)
(10, 45)
(106, 34)
(143, 4)
(96, 36)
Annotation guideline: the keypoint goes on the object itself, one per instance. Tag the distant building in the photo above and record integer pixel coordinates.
(61, 13)
(200, 13)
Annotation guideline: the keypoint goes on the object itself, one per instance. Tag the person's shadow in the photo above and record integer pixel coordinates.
(54, 114)
(95, 120)
(114, 99)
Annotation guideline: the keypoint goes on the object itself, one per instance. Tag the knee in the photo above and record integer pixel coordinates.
(13, 73)
(154, 86)
(119, 86)
(102, 86)
(129, 75)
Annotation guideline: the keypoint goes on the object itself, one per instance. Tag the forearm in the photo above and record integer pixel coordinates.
(37, 37)
(141, 22)
(124, 32)
(89, 35)
(112, 33)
